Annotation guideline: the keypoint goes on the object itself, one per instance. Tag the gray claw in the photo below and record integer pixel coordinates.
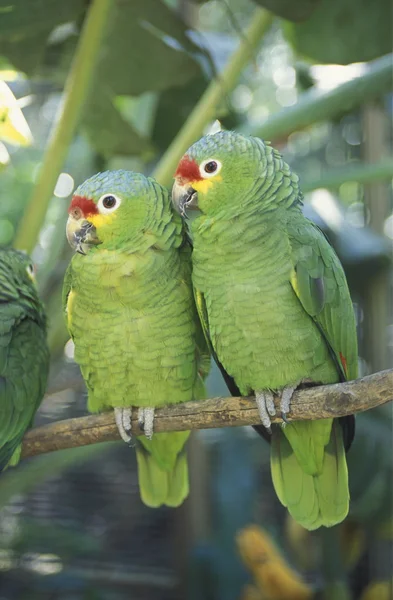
(146, 421)
(284, 418)
(285, 401)
(123, 422)
(265, 404)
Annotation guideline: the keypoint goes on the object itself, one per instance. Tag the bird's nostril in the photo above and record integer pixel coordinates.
(76, 213)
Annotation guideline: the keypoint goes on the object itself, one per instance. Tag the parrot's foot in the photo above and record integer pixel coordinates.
(146, 421)
(285, 401)
(123, 422)
(265, 404)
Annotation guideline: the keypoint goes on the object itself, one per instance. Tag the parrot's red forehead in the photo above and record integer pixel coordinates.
(85, 205)
(187, 170)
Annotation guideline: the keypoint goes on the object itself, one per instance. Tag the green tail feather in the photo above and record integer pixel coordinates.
(10, 454)
(312, 498)
(163, 469)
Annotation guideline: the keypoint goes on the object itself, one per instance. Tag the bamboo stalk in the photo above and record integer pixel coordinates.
(360, 172)
(314, 106)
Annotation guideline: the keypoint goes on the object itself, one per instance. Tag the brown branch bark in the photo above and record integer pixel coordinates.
(309, 404)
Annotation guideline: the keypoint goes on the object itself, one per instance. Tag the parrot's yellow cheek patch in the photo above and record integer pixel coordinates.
(100, 220)
(202, 186)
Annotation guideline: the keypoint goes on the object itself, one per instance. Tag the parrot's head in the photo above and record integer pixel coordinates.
(217, 172)
(17, 268)
(112, 208)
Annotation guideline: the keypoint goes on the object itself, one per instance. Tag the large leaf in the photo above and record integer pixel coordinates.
(344, 31)
(293, 10)
(145, 49)
(108, 132)
(26, 24)
(25, 17)
(174, 106)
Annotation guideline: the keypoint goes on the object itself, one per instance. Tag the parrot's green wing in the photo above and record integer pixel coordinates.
(313, 482)
(24, 360)
(204, 346)
(319, 282)
(204, 321)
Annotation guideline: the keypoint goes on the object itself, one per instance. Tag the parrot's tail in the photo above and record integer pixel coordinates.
(10, 454)
(163, 476)
(316, 493)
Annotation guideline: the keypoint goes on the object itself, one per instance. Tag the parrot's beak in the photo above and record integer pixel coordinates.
(184, 197)
(81, 234)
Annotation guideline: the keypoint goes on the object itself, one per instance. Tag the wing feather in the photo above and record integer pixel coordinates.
(319, 281)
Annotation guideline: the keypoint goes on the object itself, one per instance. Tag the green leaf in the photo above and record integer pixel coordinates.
(298, 10)
(108, 132)
(23, 17)
(175, 105)
(344, 31)
(160, 56)
(26, 24)
(145, 49)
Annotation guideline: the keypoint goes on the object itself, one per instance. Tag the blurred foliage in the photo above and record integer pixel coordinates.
(27, 24)
(154, 38)
(28, 475)
(69, 542)
(370, 487)
(361, 31)
(379, 590)
(274, 578)
(301, 10)
(162, 56)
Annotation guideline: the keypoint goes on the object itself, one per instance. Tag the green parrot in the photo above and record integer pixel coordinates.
(24, 354)
(130, 311)
(275, 305)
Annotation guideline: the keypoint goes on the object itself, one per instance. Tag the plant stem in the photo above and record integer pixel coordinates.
(206, 108)
(75, 93)
(360, 172)
(314, 106)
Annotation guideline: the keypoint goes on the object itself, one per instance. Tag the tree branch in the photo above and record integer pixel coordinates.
(309, 404)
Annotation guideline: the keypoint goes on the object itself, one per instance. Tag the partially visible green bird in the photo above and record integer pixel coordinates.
(131, 314)
(275, 305)
(24, 354)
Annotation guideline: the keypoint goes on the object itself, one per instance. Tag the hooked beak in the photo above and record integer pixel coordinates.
(184, 197)
(81, 234)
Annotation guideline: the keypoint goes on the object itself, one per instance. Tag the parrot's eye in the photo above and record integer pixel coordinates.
(210, 167)
(30, 270)
(108, 203)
